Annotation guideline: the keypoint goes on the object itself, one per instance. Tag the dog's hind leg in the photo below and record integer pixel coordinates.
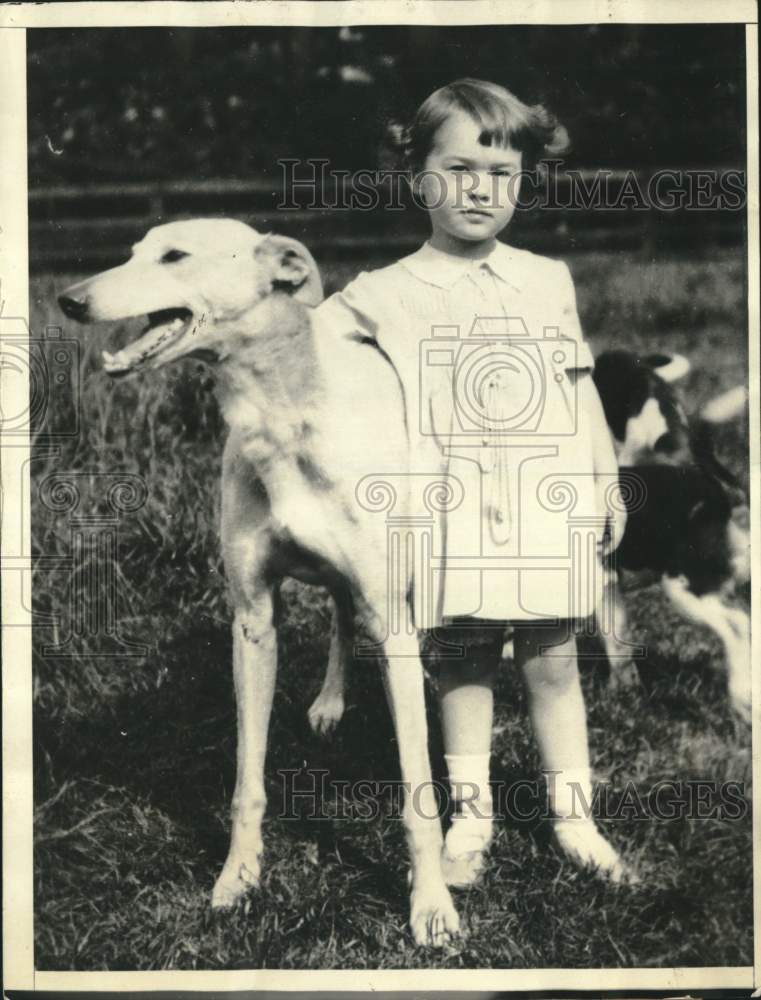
(732, 627)
(328, 707)
(254, 671)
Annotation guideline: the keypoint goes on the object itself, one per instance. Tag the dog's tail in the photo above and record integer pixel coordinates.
(727, 406)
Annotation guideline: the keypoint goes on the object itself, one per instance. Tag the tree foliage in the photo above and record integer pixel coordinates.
(228, 102)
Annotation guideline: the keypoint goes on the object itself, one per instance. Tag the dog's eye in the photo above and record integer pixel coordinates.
(172, 256)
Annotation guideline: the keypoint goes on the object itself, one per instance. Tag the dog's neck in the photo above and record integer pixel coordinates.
(268, 381)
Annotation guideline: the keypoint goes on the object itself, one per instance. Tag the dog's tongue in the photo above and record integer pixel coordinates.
(140, 350)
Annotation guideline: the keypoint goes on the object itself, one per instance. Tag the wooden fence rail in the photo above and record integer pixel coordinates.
(79, 228)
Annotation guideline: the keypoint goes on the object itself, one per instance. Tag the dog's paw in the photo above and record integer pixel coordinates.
(583, 844)
(325, 714)
(238, 877)
(433, 917)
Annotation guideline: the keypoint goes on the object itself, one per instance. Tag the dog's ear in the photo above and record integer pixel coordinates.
(670, 367)
(656, 360)
(291, 267)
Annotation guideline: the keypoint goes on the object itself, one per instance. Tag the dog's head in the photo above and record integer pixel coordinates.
(192, 280)
(642, 409)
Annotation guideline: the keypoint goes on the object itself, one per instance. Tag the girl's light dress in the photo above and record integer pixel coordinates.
(488, 354)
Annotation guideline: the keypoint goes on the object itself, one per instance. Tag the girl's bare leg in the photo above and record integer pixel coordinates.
(547, 656)
(466, 705)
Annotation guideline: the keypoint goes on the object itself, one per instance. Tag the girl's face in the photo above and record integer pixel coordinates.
(470, 190)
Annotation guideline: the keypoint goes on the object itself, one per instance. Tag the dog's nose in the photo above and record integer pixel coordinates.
(74, 308)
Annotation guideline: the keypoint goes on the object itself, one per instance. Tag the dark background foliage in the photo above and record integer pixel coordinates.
(168, 103)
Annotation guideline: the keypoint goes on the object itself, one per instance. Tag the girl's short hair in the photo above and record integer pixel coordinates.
(505, 120)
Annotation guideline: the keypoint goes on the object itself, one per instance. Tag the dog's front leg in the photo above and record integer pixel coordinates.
(739, 661)
(254, 671)
(433, 918)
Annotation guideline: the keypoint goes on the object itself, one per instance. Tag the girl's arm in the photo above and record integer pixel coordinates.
(603, 457)
(354, 311)
(590, 409)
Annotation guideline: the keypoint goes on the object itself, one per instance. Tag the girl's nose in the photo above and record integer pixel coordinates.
(480, 191)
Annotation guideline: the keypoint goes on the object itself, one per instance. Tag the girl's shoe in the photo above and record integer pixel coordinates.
(464, 870)
(466, 844)
(584, 845)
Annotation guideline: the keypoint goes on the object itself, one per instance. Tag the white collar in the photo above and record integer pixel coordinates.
(444, 269)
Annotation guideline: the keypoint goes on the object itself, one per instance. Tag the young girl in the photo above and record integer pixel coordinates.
(486, 341)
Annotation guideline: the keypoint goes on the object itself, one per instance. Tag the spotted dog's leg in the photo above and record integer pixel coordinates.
(732, 627)
(739, 662)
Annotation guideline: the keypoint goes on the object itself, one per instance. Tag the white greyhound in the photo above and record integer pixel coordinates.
(298, 446)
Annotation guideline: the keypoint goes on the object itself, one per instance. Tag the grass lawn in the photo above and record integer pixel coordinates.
(134, 757)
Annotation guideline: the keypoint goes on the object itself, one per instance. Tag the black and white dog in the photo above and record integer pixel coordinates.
(687, 514)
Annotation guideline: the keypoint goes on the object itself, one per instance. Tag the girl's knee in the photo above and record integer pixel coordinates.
(550, 641)
(547, 656)
(559, 673)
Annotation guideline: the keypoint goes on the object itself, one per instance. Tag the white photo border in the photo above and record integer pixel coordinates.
(16, 586)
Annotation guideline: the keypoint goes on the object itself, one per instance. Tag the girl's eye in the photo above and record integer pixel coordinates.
(172, 256)
(501, 173)
(457, 168)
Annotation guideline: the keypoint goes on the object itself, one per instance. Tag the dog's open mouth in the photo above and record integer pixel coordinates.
(164, 327)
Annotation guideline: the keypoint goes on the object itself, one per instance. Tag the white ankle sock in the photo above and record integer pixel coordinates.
(471, 828)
